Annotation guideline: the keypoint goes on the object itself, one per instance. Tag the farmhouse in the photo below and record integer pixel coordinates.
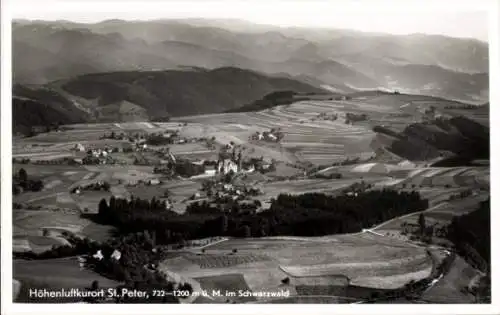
(199, 162)
(257, 136)
(98, 255)
(154, 181)
(116, 254)
(249, 169)
(210, 170)
(264, 165)
(274, 135)
(79, 147)
(141, 146)
(407, 164)
(180, 141)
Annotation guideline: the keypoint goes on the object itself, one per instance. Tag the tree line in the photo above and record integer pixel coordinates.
(311, 214)
(471, 235)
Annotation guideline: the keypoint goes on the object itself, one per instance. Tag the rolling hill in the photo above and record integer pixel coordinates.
(144, 95)
(456, 140)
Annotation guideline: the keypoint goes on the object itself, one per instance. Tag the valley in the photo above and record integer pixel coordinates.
(221, 162)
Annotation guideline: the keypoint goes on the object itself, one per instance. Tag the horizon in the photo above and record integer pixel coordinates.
(466, 22)
(258, 25)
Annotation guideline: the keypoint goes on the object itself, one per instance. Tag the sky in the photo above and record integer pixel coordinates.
(444, 17)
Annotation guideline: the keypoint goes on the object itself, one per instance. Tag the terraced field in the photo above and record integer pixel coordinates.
(318, 264)
(302, 186)
(224, 261)
(316, 141)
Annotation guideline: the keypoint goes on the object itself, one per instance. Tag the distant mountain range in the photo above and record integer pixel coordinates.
(341, 60)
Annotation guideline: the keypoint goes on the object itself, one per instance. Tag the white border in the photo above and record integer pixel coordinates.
(6, 193)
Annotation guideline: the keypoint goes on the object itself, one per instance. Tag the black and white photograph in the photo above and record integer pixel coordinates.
(247, 152)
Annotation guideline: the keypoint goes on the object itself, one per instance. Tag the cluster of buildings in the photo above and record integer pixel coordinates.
(98, 156)
(99, 185)
(325, 116)
(223, 193)
(274, 135)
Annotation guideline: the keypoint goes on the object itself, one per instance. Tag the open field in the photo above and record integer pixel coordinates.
(29, 225)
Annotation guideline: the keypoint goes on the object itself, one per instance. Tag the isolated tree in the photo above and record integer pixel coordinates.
(23, 175)
(103, 208)
(36, 185)
(247, 232)
(421, 223)
(94, 286)
(186, 287)
(166, 193)
(106, 186)
(224, 224)
(32, 132)
(228, 176)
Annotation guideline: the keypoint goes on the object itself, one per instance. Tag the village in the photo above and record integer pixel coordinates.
(217, 174)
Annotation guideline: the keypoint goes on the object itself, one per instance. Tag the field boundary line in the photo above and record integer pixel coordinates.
(216, 242)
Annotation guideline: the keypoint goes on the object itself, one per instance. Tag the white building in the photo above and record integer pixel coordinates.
(210, 170)
(250, 169)
(98, 255)
(79, 147)
(116, 255)
(154, 181)
(227, 166)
